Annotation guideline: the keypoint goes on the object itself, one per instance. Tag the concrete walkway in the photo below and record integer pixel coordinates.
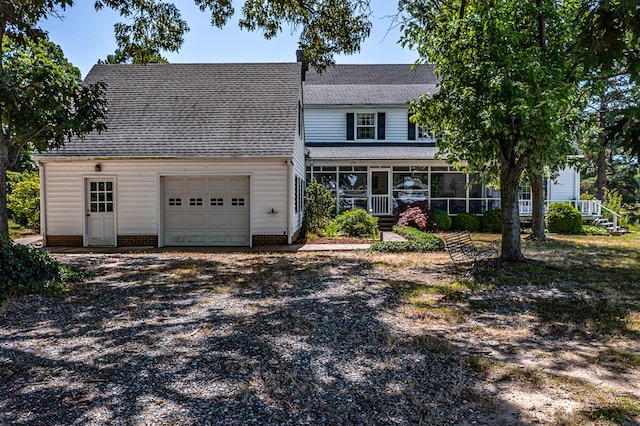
(37, 241)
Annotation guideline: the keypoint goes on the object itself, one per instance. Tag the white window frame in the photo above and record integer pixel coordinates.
(423, 133)
(358, 126)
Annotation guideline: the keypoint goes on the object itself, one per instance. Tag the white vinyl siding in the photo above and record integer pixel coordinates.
(138, 192)
(328, 125)
(565, 187)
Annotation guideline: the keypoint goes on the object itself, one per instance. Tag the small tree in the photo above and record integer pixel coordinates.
(319, 207)
(24, 198)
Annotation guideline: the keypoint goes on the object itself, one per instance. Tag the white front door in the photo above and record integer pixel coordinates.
(100, 213)
(380, 184)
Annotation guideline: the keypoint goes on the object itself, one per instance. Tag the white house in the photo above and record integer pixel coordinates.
(194, 154)
(219, 154)
(362, 146)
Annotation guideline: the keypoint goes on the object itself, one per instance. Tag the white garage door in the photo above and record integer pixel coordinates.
(206, 211)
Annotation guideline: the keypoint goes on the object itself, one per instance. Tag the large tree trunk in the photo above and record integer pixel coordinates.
(4, 166)
(601, 162)
(511, 247)
(537, 195)
(601, 174)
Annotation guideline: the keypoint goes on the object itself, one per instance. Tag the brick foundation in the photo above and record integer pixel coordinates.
(269, 240)
(137, 240)
(65, 240)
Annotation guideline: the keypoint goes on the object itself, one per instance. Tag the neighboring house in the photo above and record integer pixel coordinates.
(194, 154)
(362, 146)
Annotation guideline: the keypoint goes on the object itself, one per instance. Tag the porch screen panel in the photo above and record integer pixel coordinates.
(410, 186)
(353, 190)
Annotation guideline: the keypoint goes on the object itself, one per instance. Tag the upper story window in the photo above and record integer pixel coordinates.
(365, 125)
(419, 133)
(424, 133)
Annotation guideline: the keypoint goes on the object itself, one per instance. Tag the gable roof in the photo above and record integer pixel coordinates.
(384, 84)
(194, 110)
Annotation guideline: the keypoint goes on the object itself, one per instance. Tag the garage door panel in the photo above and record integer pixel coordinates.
(196, 184)
(174, 185)
(206, 210)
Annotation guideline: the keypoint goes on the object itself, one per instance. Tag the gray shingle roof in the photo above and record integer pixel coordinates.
(195, 110)
(372, 152)
(369, 84)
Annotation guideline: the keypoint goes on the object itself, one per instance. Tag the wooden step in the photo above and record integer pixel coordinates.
(385, 223)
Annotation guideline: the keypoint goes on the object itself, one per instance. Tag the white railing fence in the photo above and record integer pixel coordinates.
(380, 205)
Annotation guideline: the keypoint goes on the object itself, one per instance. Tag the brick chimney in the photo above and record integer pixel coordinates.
(305, 66)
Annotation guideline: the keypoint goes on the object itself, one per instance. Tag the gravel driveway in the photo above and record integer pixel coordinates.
(175, 338)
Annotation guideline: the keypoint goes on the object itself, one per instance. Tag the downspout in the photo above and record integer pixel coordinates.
(43, 204)
(290, 207)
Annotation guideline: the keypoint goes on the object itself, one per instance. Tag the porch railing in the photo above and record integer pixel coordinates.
(589, 208)
(380, 205)
(383, 205)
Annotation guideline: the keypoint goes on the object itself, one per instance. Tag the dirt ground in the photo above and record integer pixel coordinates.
(550, 342)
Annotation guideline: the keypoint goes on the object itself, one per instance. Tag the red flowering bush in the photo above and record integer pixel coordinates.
(417, 215)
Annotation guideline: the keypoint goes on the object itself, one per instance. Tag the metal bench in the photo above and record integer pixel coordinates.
(461, 249)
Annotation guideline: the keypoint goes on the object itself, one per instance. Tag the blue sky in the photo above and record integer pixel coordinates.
(86, 36)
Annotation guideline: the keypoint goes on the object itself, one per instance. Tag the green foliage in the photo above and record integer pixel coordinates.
(492, 221)
(608, 43)
(331, 229)
(44, 96)
(357, 223)
(466, 222)
(594, 230)
(416, 240)
(443, 220)
(506, 100)
(25, 270)
(564, 219)
(42, 101)
(24, 198)
(319, 207)
(613, 201)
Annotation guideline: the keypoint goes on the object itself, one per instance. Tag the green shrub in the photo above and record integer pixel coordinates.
(613, 201)
(492, 221)
(594, 230)
(402, 246)
(319, 207)
(563, 218)
(24, 198)
(25, 270)
(466, 222)
(443, 220)
(357, 223)
(416, 241)
(331, 229)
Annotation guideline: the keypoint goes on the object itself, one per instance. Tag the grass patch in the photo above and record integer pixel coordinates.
(17, 231)
(625, 357)
(432, 344)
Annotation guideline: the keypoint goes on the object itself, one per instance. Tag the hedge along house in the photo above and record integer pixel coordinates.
(362, 146)
(194, 155)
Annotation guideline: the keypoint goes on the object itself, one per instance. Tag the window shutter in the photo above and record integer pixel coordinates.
(411, 134)
(381, 125)
(350, 126)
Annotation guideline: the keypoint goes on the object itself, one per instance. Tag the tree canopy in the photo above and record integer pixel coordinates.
(507, 91)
